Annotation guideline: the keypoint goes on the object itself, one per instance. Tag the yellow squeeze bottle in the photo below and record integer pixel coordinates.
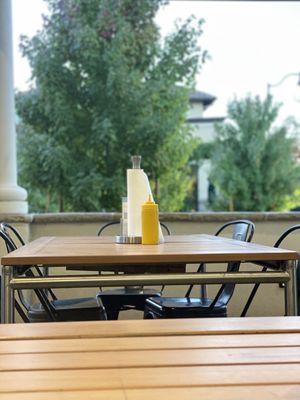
(150, 222)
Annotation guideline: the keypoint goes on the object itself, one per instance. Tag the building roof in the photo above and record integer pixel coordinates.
(202, 97)
(205, 120)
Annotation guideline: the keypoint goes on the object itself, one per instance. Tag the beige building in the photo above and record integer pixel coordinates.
(204, 128)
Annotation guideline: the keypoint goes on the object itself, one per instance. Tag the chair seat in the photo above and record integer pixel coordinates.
(116, 300)
(126, 297)
(77, 309)
(183, 307)
(129, 290)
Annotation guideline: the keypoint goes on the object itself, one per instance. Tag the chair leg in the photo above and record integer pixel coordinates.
(112, 314)
(148, 314)
(203, 291)
(21, 312)
(103, 315)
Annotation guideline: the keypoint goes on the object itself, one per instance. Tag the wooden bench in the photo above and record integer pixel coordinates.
(251, 358)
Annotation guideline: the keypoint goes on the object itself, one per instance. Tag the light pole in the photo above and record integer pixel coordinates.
(270, 85)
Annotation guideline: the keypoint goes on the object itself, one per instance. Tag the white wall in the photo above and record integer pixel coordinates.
(195, 110)
(204, 131)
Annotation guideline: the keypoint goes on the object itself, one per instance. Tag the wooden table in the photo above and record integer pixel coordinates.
(192, 359)
(67, 251)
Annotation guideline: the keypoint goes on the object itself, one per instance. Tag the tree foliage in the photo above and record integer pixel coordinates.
(104, 87)
(254, 161)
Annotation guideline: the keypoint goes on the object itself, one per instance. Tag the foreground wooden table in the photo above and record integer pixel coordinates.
(230, 359)
(91, 250)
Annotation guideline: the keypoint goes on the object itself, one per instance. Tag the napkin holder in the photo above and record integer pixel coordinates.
(124, 238)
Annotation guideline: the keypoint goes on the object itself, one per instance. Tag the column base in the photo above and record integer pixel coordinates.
(13, 200)
(13, 207)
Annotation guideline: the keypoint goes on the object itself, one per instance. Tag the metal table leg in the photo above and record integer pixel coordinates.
(291, 289)
(7, 296)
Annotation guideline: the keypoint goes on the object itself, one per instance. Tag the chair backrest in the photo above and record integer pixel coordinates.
(256, 286)
(17, 240)
(285, 234)
(13, 233)
(243, 230)
(9, 244)
(164, 226)
(27, 271)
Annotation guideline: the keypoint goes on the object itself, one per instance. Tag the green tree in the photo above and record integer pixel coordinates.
(254, 161)
(105, 86)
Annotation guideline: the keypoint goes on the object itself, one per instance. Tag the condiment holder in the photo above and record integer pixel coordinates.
(149, 230)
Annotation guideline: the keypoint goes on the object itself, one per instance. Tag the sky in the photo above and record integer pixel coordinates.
(251, 44)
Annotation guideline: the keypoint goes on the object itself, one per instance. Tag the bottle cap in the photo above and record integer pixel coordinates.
(150, 200)
(136, 162)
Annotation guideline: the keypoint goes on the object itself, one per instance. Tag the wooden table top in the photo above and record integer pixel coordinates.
(230, 359)
(103, 250)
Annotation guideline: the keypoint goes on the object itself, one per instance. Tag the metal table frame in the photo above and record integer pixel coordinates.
(285, 273)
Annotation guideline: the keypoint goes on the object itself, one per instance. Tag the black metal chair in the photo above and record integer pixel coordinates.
(239, 233)
(17, 240)
(202, 306)
(256, 286)
(48, 309)
(126, 298)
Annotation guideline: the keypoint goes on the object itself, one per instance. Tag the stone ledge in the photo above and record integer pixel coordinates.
(171, 217)
(48, 218)
(228, 216)
(75, 217)
(16, 218)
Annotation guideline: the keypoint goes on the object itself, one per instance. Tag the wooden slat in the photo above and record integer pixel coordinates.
(134, 328)
(144, 358)
(148, 343)
(287, 392)
(95, 379)
(185, 249)
(270, 392)
(63, 395)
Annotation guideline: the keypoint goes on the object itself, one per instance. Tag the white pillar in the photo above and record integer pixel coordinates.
(203, 184)
(12, 197)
